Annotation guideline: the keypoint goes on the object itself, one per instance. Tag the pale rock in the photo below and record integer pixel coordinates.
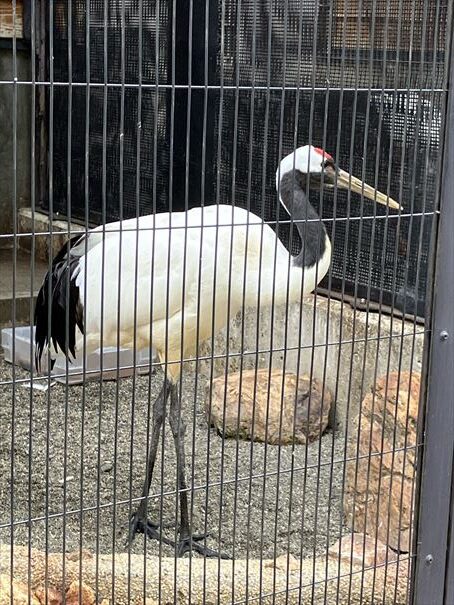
(284, 563)
(381, 462)
(212, 581)
(268, 407)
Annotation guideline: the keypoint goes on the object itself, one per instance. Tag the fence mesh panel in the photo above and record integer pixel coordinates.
(219, 349)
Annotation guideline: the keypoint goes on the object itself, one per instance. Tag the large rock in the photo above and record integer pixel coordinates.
(380, 473)
(275, 408)
(284, 581)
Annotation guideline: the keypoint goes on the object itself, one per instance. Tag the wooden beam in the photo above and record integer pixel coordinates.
(396, 25)
(7, 23)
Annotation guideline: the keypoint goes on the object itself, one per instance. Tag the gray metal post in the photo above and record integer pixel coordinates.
(434, 569)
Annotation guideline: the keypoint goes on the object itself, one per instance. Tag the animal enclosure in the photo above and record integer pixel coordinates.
(227, 343)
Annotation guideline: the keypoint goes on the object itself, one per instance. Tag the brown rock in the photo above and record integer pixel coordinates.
(15, 593)
(51, 596)
(80, 594)
(272, 407)
(317, 581)
(380, 473)
(79, 555)
(358, 549)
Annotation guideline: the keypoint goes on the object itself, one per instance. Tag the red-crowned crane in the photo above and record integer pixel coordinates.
(187, 286)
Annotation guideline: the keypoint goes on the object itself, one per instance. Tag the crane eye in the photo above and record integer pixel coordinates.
(329, 163)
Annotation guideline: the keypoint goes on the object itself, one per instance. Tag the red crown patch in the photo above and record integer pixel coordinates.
(323, 153)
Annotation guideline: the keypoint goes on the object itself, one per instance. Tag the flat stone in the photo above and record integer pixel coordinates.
(269, 407)
(66, 480)
(344, 348)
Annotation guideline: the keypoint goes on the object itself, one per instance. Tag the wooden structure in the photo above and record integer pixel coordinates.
(11, 19)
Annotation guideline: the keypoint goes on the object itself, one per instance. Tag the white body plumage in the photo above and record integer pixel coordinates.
(208, 261)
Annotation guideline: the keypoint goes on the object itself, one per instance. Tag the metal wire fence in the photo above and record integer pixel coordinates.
(192, 250)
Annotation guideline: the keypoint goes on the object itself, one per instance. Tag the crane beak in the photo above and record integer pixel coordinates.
(347, 181)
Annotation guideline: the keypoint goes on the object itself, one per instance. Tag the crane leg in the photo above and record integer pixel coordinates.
(188, 541)
(139, 522)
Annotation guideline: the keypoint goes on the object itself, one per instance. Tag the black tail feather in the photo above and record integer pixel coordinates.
(64, 303)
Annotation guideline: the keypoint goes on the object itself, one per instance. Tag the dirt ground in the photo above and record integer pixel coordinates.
(90, 436)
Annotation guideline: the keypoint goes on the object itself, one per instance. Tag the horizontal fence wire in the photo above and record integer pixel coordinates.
(217, 87)
(278, 330)
(213, 484)
(75, 232)
(229, 355)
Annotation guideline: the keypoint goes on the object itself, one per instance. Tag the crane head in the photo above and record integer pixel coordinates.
(317, 167)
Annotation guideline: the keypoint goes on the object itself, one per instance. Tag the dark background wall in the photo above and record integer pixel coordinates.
(23, 132)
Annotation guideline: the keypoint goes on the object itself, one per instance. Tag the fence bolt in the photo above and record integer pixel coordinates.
(429, 560)
(444, 335)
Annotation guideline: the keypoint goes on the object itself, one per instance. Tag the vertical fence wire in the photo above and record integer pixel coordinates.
(33, 36)
(235, 528)
(367, 322)
(348, 415)
(65, 474)
(327, 327)
(14, 281)
(50, 70)
(150, 413)
(357, 264)
(390, 340)
(138, 127)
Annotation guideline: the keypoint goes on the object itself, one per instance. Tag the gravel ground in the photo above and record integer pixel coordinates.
(89, 437)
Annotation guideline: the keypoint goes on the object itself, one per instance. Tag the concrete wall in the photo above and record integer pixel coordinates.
(6, 138)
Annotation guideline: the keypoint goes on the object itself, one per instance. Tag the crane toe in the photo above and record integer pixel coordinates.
(192, 543)
(139, 525)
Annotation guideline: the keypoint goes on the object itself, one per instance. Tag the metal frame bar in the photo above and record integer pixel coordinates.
(433, 572)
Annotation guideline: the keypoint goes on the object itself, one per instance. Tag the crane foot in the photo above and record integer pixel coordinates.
(138, 525)
(192, 543)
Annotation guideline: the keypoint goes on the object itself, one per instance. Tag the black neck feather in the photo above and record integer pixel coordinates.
(310, 228)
